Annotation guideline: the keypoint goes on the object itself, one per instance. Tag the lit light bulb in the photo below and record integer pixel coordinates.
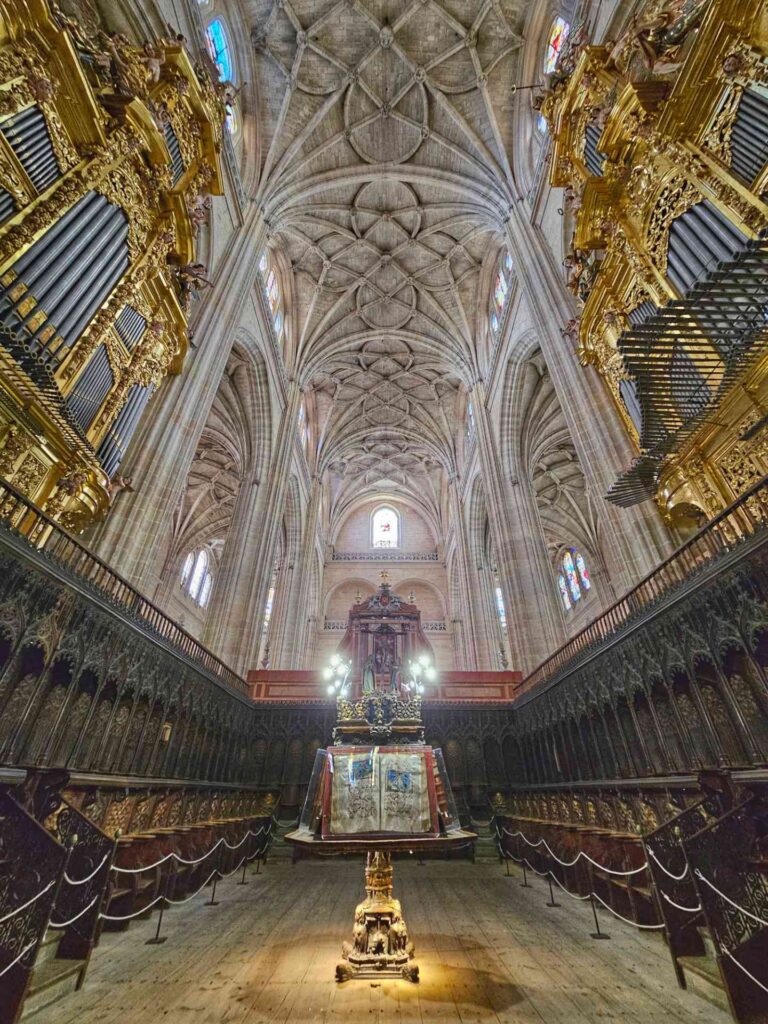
(331, 690)
(416, 669)
(335, 660)
(430, 674)
(327, 673)
(423, 660)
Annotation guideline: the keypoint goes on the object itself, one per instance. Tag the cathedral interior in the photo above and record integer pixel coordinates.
(383, 511)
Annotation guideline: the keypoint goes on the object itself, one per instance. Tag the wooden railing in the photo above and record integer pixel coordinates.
(24, 518)
(741, 520)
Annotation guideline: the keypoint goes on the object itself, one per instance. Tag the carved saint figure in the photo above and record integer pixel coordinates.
(369, 677)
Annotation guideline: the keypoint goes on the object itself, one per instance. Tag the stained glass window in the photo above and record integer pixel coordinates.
(557, 37)
(218, 47)
(573, 578)
(385, 528)
(273, 293)
(500, 291)
(263, 265)
(570, 574)
(303, 425)
(470, 423)
(581, 566)
(541, 124)
(278, 323)
(500, 609)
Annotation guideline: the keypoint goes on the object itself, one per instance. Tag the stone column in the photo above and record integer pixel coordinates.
(475, 649)
(534, 621)
(234, 632)
(134, 537)
(634, 540)
(294, 626)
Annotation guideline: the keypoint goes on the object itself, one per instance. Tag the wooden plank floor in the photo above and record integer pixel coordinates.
(489, 951)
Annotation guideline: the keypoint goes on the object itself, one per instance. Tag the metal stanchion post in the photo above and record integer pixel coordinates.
(213, 902)
(158, 939)
(245, 858)
(596, 934)
(524, 883)
(552, 901)
(506, 861)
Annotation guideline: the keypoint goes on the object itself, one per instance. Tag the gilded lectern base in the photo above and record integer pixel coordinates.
(380, 945)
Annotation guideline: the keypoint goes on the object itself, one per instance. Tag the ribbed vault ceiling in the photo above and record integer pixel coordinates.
(385, 128)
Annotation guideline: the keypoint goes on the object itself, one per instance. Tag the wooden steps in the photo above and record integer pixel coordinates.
(53, 977)
(702, 975)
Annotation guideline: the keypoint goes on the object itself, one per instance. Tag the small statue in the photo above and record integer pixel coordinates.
(369, 676)
(154, 59)
(395, 679)
(72, 484)
(118, 484)
(199, 209)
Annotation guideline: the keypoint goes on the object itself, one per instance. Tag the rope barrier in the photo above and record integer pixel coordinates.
(183, 860)
(29, 903)
(66, 924)
(550, 874)
(671, 874)
(635, 924)
(127, 917)
(576, 859)
(727, 899)
(678, 906)
(743, 968)
(82, 881)
(21, 956)
(568, 891)
(178, 903)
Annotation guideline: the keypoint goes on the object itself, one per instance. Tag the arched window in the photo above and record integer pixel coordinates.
(573, 578)
(196, 576)
(558, 35)
(302, 425)
(218, 47)
(541, 124)
(500, 609)
(273, 293)
(385, 528)
(470, 424)
(501, 288)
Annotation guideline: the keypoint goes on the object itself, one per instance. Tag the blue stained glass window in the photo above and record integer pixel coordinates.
(570, 574)
(494, 322)
(573, 578)
(218, 47)
(507, 263)
(278, 323)
(264, 264)
(541, 124)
